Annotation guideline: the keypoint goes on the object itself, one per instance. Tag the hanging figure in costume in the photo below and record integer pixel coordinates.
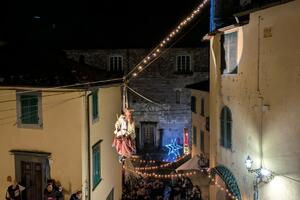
(124, 140)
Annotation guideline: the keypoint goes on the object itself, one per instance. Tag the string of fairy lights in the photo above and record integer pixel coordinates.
(165, 43)
(205, 171)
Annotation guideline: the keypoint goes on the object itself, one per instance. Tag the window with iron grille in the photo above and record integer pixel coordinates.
(183, 64)
(116, 64)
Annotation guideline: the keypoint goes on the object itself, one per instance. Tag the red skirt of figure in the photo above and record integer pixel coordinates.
(125, 146)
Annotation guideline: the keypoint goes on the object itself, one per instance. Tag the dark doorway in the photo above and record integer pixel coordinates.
(32, 172)
(148, 133)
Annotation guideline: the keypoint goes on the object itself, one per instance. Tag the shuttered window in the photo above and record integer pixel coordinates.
(96, 164)
(183, 64)
(29, 110)
(202, 141)
(95, 105)
(194, 135)
(226, 127)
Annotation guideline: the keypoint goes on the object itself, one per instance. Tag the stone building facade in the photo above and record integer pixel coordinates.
(163, 82)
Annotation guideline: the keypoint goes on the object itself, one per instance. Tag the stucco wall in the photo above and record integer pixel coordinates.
(62, 127)
(109, 106)
(268, 74)
(199, 122)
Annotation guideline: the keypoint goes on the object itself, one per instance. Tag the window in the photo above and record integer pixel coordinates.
(193, 104)
(111, 195)
(229, 53)
(96, 164)
(177, 93)
(202, 107)
(226, 125)
(95, 106)
(194, 135)
(29, 110)
(116, 63)
(183, 64)
(202, 141)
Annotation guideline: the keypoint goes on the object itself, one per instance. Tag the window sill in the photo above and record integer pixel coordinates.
(30, 126)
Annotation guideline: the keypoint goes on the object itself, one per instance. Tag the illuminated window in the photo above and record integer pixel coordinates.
(229, 53)
(226, 126)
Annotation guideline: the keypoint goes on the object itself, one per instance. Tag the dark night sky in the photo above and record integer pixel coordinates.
(97, 24)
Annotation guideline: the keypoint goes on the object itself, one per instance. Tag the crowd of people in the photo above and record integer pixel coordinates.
(53, 191)
(154, 189)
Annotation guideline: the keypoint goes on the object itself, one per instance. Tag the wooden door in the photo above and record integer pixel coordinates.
(149, 133)
(31, 178)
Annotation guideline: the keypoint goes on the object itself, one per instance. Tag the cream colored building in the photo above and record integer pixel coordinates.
(255, 103)
(200, 118)
(64, 134)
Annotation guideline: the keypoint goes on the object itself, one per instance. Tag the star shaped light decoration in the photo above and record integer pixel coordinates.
(173, 149)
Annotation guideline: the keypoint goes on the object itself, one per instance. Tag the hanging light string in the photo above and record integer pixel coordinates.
(59, 87)
(161, 166)
(161, 48)
(147, 99)
(207, 172)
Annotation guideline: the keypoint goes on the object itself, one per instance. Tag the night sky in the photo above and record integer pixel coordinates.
(97, 24)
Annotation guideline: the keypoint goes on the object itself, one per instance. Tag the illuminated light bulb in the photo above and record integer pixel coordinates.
(145, 61)
(154, 54)
(226, 190)
(148, 58)
(229, 194)
(161, 45)
(222, 188)
(157, 50)
(168, 38)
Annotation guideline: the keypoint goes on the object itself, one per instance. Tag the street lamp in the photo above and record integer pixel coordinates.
(262, 174)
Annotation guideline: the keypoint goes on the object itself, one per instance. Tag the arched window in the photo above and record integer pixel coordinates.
(226, 127)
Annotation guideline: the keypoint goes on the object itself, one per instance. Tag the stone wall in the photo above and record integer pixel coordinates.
(158, 82)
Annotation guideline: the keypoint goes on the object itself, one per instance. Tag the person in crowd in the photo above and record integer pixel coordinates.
(51, 194)
(14, 191)
(76, 196)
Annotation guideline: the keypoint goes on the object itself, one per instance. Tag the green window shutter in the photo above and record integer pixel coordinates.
(95, 106)
(29, 109)
(226, 128)
(96, 164)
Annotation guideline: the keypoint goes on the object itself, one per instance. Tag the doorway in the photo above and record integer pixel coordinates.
(32, 172)
(148, 133)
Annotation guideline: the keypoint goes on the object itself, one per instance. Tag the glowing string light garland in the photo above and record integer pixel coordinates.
(159, 49)
(179, 175)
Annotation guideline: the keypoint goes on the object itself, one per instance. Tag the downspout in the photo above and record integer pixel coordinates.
(88, 143)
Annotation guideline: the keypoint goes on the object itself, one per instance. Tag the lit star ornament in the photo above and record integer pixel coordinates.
(173, 149)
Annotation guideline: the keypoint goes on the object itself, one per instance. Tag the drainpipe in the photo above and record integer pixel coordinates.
(89, 143)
